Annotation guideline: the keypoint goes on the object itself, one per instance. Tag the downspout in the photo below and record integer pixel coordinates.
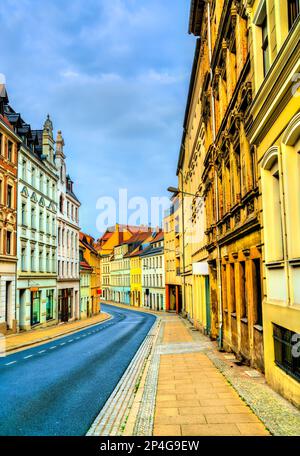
(183, 242)
(219, 275)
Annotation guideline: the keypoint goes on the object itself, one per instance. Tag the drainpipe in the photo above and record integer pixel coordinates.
(219, 260)
(183, 243)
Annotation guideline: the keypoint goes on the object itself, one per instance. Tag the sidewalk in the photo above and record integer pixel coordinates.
(36, 336)
(194, 398)
(189, 388)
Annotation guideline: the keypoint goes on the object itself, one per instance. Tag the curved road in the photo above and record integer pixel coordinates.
(59, 388)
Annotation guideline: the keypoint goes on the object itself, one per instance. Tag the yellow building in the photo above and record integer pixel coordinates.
(172, 258)
(105, 245)
(135, 279)
(274, 130)
(92, 257)
(220, 235)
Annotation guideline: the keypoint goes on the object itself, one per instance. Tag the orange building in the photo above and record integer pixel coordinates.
(8, 218)
(92, 257)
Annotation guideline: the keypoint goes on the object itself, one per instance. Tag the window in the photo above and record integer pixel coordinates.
(8, 242)
(265, 45)
(33, 224)
(232, 287)
(41, 224)
(32, 260)
(293, 11)
(23, 214)
(24, 169)
(23, 256)
(1, 142)
(49, 304)
(61, 204)
(243, 290)
(10, 151)
(35, 307)
(47, 262)
(9, 196)
(257, 292)
(41, 263)
(287, 351)
(33, 176)
(41, 182)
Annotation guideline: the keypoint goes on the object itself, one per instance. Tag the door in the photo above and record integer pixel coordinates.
(207, 295)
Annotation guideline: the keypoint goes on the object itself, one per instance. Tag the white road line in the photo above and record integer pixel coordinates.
(42, 351)
(51, 348)
(77, 338)
(29, 356)
(70, 341)
(64, 343)
(12, 362)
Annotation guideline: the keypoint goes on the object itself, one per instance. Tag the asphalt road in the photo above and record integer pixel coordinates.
(59, 388)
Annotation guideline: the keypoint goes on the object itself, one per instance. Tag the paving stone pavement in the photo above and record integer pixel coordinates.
(193, 397)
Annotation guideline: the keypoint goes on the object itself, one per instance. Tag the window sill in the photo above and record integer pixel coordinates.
(233, 314)
(258, 328)
(275, 264)
(244, 320)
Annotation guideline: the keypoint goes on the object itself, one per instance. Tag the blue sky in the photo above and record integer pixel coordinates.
(114, 75)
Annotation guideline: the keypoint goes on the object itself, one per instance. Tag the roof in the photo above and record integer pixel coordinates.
(158, 237)
(196, 16)
(89, 245)
(84, 266)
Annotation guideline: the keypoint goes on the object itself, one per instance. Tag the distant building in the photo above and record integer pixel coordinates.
(153, 273)
(85, 285)
(172, 258)
(9, 142)
(92, 257)
(113, 236)
(68, 281)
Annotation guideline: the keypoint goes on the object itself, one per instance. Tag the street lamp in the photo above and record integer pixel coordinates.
(176, 191)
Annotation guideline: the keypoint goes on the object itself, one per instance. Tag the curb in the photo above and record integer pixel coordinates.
(112, 419)
(57, 336)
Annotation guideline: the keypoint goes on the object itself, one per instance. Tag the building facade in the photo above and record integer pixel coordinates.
(85, 286)
(68, 280)
(221, 226)
(9, 143)
(274, 132)
(120, 279)
(37, 226)
(172, 257)
(113, 236)
(153, 274)
(92, 257)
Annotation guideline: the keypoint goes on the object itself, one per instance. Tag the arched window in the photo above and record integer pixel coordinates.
(61, 204)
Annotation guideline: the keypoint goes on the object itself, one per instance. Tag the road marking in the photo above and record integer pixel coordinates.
(51, 348)
(77, 338)
(29, 356)
(64, 343)
(12, 362)
(70, 341)
(42, 351)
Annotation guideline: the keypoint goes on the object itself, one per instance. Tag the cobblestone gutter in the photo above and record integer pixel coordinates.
(279, 416)
(112, 418)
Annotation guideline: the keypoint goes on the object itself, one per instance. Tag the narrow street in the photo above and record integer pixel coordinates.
(58, 388)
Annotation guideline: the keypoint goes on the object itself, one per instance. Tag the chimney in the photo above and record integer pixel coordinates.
(3, 97)
(60, 145)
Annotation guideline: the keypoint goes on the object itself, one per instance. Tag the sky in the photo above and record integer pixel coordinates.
(114, 76)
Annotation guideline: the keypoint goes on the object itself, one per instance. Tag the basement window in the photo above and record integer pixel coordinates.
(293, 11)
(287, 351)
